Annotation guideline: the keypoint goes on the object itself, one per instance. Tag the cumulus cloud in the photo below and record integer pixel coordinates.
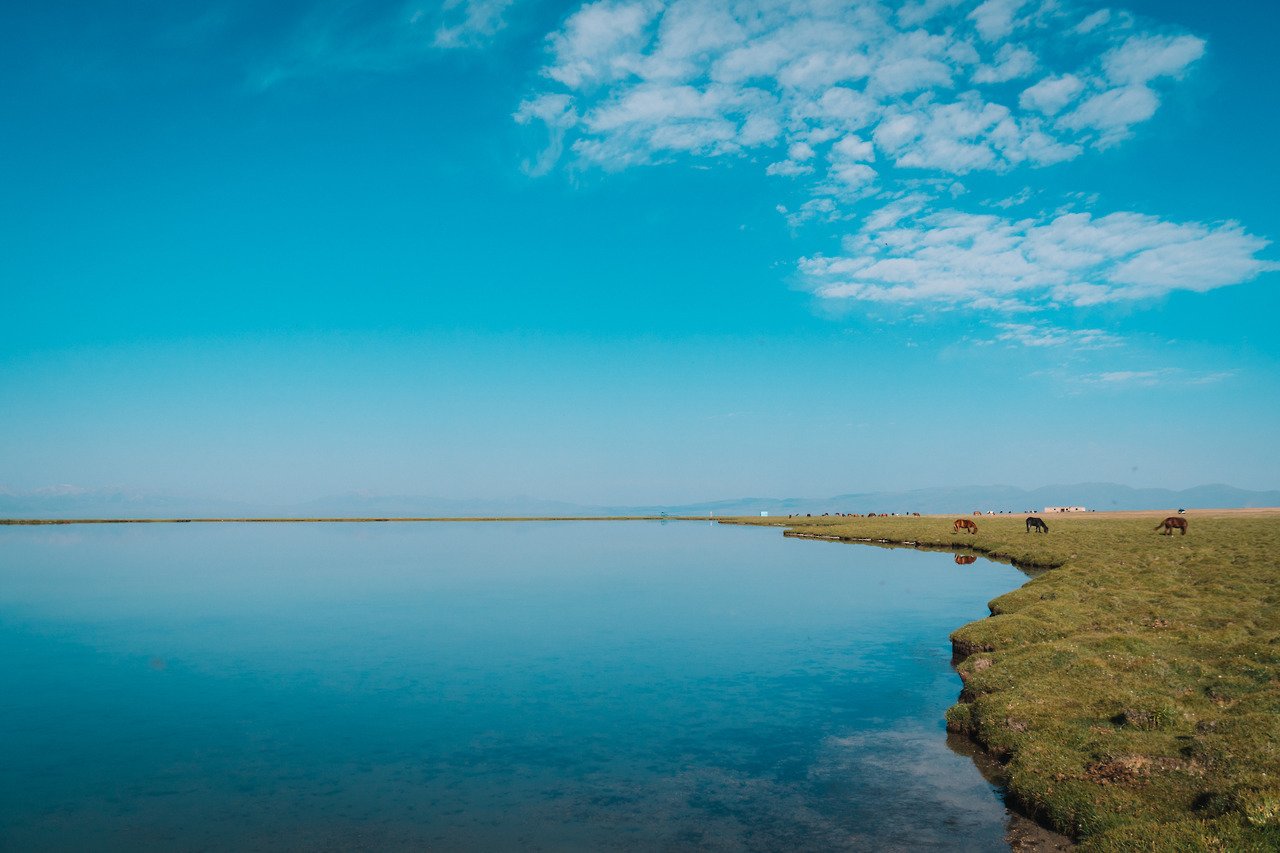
(1122, 94)
(1051, 94)
(908, 254)
(865, 100)
(1141, 59)
(1011, 62)
(994, 19)
(937, 85)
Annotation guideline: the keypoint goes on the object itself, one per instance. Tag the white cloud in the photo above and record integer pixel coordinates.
(852, 148)
(994, 19)
(863, 99)
(469, 23)
(1011, 62)
(926, 85)
(1051, 94)
(913, 14)
(800, 151)
(598, 42)
(1121, 94)
(908, 254)
(1044, 335)
(557, 114)
(1091, 22)
(1142, 59)
(1153, 378)
(335, 36)
(788, 168)
(1113, 112)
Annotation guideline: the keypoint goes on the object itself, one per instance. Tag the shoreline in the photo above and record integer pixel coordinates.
(1119, 695)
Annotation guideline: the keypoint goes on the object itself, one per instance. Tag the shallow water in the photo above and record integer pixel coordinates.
(497, 686)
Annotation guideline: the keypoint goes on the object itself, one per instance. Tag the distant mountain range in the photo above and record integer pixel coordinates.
(1097, 496)
(75, 502)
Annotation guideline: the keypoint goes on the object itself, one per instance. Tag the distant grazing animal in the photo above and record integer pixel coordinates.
(1037, 523)
(916, 514)
(1172, 522)
(977, 512)
(965, 559)
(965, 524)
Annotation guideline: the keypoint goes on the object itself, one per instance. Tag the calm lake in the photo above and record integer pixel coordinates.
(482, 686)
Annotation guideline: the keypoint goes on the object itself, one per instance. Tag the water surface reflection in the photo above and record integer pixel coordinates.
(482, 686)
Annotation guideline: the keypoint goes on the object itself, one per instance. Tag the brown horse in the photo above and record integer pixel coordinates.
(1171, 523)
(965, 559)
(965, 524)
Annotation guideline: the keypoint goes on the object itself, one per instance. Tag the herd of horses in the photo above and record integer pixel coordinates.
(1037, 524)
(1034, 522)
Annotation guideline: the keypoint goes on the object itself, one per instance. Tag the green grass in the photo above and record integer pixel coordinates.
(1132, 690)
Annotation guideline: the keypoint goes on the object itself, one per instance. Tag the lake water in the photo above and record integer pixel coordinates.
(482, 686)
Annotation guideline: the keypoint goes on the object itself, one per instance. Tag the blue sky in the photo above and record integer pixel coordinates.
(637, 251)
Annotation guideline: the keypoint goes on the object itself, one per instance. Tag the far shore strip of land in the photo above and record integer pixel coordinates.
(352, 519)
(774, 519)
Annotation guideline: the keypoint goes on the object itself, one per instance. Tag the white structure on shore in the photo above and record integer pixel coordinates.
(1049, 509)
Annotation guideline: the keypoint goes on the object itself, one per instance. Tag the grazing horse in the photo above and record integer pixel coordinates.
(1037, 523)
(965, 524)
(1172, 522)
(965, 559)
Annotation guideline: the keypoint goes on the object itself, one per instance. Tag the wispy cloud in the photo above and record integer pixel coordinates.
(347, 36)
(1158, 377)
(1041, 334)
(908, 253)
(470, 23)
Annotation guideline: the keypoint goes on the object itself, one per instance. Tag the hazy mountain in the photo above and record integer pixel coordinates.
(76, 502)
(68, 501)
(419, 506)
(965, 499)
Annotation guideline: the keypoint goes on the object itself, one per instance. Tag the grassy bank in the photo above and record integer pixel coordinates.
(1132, 692)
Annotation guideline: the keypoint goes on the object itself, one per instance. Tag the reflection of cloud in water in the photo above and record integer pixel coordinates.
(899, 790)
(914, 774)
(707, 808)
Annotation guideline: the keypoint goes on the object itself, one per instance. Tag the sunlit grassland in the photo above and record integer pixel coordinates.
(1133, 690)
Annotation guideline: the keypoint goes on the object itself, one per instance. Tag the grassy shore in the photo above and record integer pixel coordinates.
(1132, 689)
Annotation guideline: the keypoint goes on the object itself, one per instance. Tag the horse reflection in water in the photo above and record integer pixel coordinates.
(965, 559)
